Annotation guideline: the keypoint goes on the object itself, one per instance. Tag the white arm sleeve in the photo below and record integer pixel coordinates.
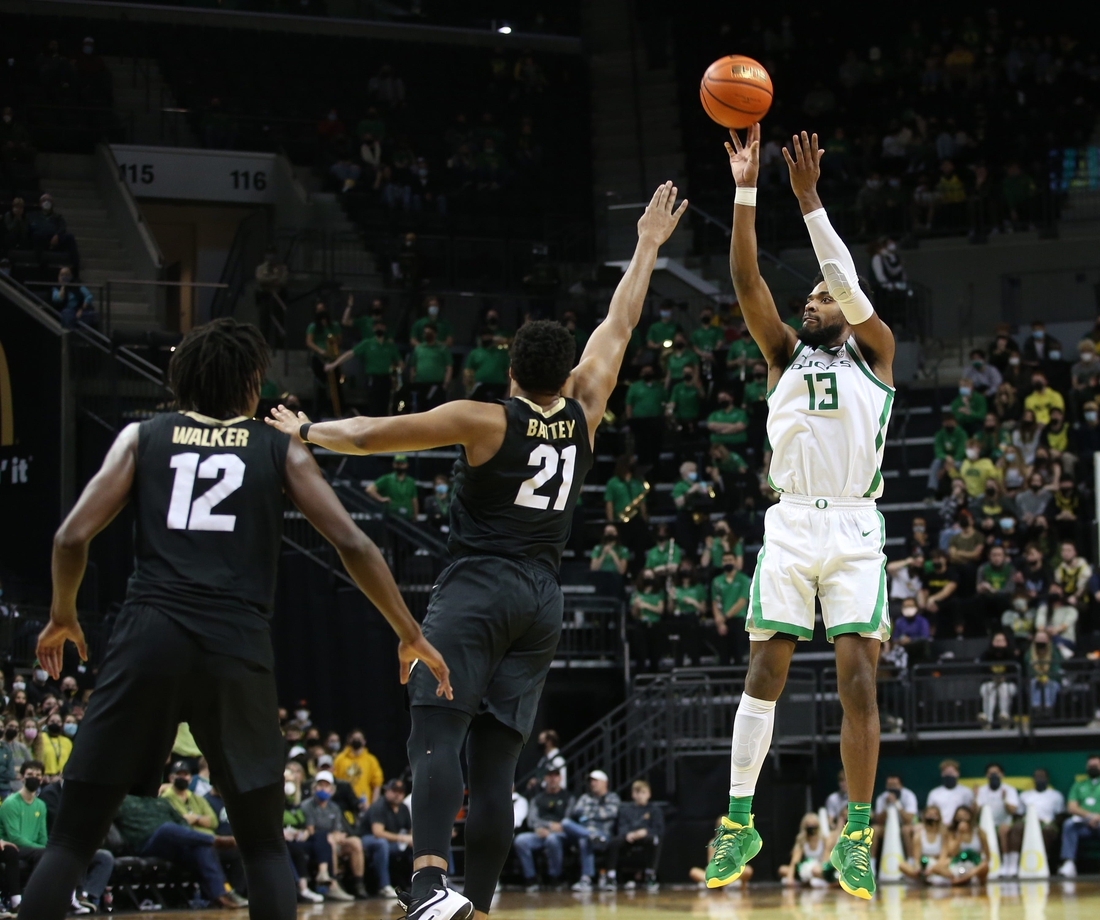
(838, 268)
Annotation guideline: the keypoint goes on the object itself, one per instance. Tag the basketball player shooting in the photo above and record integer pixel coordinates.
(496, 612)
(829, 400)
(192, 642)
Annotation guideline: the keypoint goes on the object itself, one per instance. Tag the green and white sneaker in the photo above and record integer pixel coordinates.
(734, 845)
(851, 857)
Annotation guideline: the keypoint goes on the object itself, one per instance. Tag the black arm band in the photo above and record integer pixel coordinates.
(303, 432)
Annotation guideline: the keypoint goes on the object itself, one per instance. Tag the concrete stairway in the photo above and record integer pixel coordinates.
(140, 96)
(636, 137)
(102, 256)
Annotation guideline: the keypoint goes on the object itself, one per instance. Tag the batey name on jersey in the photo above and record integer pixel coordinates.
(210, 437)
(552, 432)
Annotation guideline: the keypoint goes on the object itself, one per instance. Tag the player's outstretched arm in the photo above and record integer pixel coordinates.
(313, 496)
(774, 337)
(103, 497)
(461, 421)
(837, 265)
(594, 378)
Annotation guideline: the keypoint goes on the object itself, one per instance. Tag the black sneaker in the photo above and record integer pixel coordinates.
(441, 903)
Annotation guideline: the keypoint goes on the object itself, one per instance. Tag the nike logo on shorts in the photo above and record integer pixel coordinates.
(865, 532)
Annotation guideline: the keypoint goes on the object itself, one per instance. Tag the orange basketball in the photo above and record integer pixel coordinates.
(736, 91)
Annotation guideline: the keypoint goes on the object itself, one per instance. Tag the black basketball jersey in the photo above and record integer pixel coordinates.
(208, 497)
(520, 503)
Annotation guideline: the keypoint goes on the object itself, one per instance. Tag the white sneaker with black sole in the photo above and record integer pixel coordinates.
(442, 903)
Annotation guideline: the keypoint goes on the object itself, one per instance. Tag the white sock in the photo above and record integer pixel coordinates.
(1012, 864)
(752, 736)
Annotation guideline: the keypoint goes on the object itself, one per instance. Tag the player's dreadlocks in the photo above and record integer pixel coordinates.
(218, 367)
(542, 356)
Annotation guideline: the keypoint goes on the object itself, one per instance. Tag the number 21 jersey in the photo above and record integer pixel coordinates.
(208, 502)
(827, 421)
(520, 502)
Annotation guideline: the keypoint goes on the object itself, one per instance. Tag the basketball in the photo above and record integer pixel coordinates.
(736, 91)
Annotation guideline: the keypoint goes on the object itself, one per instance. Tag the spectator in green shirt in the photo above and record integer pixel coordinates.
(443, 330)
(688, 600)
(501, 335)
(662, 329)
(707, 338)
(727, 424)
(610, 555)
(693, 497)
(743, 353)
(756, 388)
(729, 593)
(969, 407)
(665, 556)
(687, 397)
(23, 826)
(647, 607)
(364, 323)
(379, 358)
(729, 469)
(679, 358)
(485, 375)
(569, 321)
(397, 489)
(318, 333)
(949, 450)
(437, 507)
(621, 490)
(430, 368)
(1083, 805)
(645, 407)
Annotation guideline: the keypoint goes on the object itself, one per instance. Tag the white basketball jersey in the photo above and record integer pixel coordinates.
(827, 420)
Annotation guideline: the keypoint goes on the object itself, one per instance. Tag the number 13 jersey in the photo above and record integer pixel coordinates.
(520, 503)
(208, 525)
(827, 421)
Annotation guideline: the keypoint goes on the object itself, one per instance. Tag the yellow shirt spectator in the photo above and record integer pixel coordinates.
(975, 473)
(1042, 401)
(359, 767)
(53, 751)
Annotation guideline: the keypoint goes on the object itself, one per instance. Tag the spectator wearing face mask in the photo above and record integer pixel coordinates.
(1049, 803)
(949, 450)
(356, 765)
(1084, 372)
(662, 331)
(40, 686)
(969, 407)
(444, 332)
(994, 584)
(905, 581)
(53, 747)
(976, 470)
(437, 506)
(949, 796)
(686, 398)
(20, 754)
(610, 555)
(911, 630)
(706, 340)
(691, 495)
(1002, 799)
(380, 360)
(431, 366)
(194, 809)
(329, 838)
(1038, 346)
(645, 406)
(939, 584)
(983, 376)
(49, 232)
(724, 630)
(23, 824)
(896, 795)
(1042, 399)
(728, 424)
(398, 490)
(1072, 573)
(1034, 503)
(647, 610)
(485, 374)
(1086, 439)
(1084, 820)
(680, 358)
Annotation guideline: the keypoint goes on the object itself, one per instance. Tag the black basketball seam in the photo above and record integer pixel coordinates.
(732, 108)
(759, 86)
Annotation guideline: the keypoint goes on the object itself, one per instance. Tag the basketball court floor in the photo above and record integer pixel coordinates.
(1054, 900)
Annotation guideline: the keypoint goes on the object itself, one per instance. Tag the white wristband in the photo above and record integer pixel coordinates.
(745, 196)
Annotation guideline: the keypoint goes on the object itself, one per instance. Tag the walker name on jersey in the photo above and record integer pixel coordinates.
(822, 365)
(210, 437)
(555, 431)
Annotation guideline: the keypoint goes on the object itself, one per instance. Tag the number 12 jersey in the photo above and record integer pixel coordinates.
(520, 502)
(208, 525)
(827, 421)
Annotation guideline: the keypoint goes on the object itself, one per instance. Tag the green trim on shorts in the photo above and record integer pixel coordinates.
(880, 600)
(758, 621)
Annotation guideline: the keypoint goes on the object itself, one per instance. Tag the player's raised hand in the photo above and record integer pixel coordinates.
(805, 165)
(51, 644)
(287, 420)
(745, 158)
(420, 649)
(661, 214)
